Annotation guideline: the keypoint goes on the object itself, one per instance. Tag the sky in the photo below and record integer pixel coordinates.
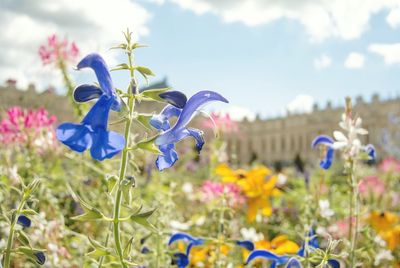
(267, 57)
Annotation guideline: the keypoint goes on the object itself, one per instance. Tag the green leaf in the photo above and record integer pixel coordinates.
(127, 185)
(111, 181)
(120, 46)
(90, 214)
(153, 94)
(28, 212)
(128, 248)
(122, 66)
(149, 145)
(142, 219)
(29, 252)
(99, 250)
(144, 120)
(137, 45)
(23, 238)
(144, 71)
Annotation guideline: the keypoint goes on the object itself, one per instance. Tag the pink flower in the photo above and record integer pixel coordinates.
(29, 127)
(213, 191)
(371, 185)
(56, 50)
(390, 164)
(340, 229)
(223, 122)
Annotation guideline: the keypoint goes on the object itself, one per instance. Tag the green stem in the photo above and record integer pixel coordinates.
(354, 213)
(122, 170)
(10, 240)
(220, 232)
(70, 87)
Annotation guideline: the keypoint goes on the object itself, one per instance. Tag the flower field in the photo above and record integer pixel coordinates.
(119, 188)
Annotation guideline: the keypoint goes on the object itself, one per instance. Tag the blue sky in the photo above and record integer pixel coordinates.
(261, 55)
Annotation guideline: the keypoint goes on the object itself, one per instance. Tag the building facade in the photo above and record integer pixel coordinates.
(281, 139)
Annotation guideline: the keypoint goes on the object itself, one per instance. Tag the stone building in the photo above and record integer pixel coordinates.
(280, 139)
(268, 141)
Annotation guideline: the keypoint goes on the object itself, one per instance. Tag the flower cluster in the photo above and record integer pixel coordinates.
(29, 127)
(257, 185)
(214, 191)
(58, 50)
(350, 145)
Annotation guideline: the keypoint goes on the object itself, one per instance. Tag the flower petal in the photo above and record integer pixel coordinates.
(245, 244)
(176, 98)
(106, 144)
(99, 66)
(266, 255)
(293, 263)
(97, 117)
(168, 158)
(326, 163)
(85, 92)
(181, 260)
(186, 237)
(370, 150)
(322, 139)
(40, 257)
(339, 136)
(314, 240)
(198, 136)
(161, 121)
(195, 103)
(76, 136)
(24, 221)
(334, 263)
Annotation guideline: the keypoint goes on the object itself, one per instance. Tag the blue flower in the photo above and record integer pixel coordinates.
(245, 244)
(182, 259)
(331, 146)
(184, 111)
(293, 263)
(86, 92)
(92, 132)
(40, 257)
(24, 221)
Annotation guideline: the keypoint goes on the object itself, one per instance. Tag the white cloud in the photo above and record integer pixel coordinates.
(322, 62)
(238, 113)
(322, 19)
(95, 25)
(389, 52)
(301, 104)
(393, 18)
(354, 61)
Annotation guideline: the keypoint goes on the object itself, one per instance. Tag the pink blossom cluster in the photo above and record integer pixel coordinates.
(223, 122)
(56, 50)
(340, 229)
(26, 126)
(390, 164)
(213, 191)
(371, 185)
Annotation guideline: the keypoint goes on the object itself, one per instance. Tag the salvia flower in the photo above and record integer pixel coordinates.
(350, 144)
(92, 132)
(56, 50)
(277, 260)
(184, 111)
(24, 221)
(182, 259)
(40, 257)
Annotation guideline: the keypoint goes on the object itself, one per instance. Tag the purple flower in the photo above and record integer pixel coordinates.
(184, 112)
(92, 132)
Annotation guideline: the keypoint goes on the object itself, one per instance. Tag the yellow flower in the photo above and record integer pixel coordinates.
(386, 225)
(229, 175)
(258, 192)
(280, 245)
(383, 221)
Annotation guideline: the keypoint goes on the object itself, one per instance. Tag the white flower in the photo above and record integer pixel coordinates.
(282, 179)
(200, 221)
(383, 255)
(251, 234)
(378, 240)
(179, 226)
(325, 210)
(187, 188)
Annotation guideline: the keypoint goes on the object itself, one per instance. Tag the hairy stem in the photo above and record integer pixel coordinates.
(354, 214)
(123, 166)
(10, 240)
